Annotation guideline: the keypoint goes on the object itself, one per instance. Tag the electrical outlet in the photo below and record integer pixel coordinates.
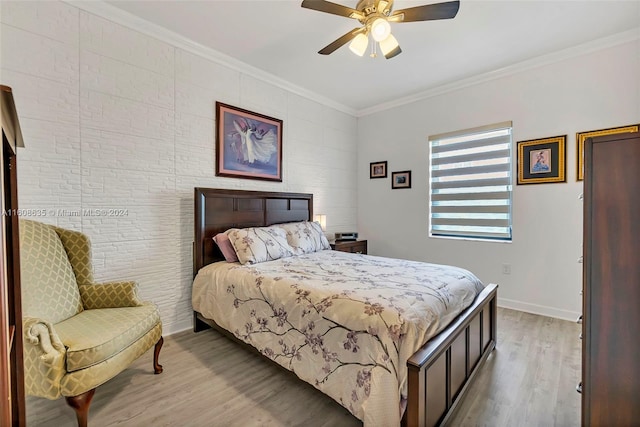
(506, 268)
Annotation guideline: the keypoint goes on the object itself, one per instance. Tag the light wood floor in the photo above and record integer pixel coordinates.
(528, 381)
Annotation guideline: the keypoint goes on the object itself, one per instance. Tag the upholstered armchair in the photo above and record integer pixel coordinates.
(77, 334)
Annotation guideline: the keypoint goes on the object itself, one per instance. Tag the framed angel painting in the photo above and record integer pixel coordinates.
(248, 144)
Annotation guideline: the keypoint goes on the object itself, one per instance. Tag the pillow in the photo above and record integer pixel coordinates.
(305, 237)
(223, 242)
(259, 244)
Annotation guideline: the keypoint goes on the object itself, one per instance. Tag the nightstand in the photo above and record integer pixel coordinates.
(353, 246)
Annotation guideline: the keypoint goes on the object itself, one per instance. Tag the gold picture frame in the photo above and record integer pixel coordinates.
(582, 136)
(542, 161)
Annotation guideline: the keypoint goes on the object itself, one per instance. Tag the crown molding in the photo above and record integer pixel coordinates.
(540, 61)
(119, 16)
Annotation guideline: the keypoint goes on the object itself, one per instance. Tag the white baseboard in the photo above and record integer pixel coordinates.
(174, 328)
(538, 309)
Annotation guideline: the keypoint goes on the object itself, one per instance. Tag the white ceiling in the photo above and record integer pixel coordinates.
(281, 38)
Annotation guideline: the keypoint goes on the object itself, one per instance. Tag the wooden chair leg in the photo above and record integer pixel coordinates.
(81, 404)
(157, 368)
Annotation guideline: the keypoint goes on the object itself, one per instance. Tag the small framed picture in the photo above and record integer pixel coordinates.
(582, 136)
(542, 160)
(401, 179)
(378, 170)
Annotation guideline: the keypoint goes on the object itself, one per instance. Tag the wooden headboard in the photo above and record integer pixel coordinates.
(218, 210)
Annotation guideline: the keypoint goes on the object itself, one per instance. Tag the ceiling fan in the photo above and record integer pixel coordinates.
(375, 16)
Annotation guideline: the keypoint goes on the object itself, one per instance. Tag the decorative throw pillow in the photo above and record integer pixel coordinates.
(305, 237)
(223, 242)
(259, 244)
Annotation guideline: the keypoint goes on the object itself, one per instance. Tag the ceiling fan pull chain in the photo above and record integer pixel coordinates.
(374, 52)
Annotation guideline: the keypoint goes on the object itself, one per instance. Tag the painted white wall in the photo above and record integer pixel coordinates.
(593, 91)
(113, 118)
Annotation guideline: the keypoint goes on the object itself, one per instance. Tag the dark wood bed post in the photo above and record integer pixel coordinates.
(439, 373)
(199, 325)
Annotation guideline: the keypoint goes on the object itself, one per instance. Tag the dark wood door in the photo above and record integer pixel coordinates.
(12, 406)
(611, 348)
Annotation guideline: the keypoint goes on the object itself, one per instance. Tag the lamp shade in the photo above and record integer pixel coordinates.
(390, 47)
(380, 29)
(322, 219)
(359, 44)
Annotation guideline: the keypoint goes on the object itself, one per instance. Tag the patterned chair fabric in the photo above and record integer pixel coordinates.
(94, 336)
(78, 334)
(78, 248)
(49, 287)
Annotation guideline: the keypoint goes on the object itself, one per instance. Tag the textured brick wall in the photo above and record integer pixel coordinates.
(113, 118)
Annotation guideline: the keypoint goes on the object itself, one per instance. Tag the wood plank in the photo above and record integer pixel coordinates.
(458, 364)
(436, 394)
(474, 342)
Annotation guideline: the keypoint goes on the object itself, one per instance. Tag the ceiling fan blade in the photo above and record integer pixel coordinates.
(427, 12)
(333, 8)
(332, 47)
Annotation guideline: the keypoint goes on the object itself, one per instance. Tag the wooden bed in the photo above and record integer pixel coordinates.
(439, 372)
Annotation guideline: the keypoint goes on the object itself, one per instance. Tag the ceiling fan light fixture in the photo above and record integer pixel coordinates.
(380, 29)
(359, 44)
(375, 17)
(390, 47)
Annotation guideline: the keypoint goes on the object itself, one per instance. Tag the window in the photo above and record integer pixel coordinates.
(470, 185)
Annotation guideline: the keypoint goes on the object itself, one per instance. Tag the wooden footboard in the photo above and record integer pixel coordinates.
(440, 372)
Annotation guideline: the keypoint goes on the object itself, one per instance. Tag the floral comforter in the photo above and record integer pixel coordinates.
(345, 323)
